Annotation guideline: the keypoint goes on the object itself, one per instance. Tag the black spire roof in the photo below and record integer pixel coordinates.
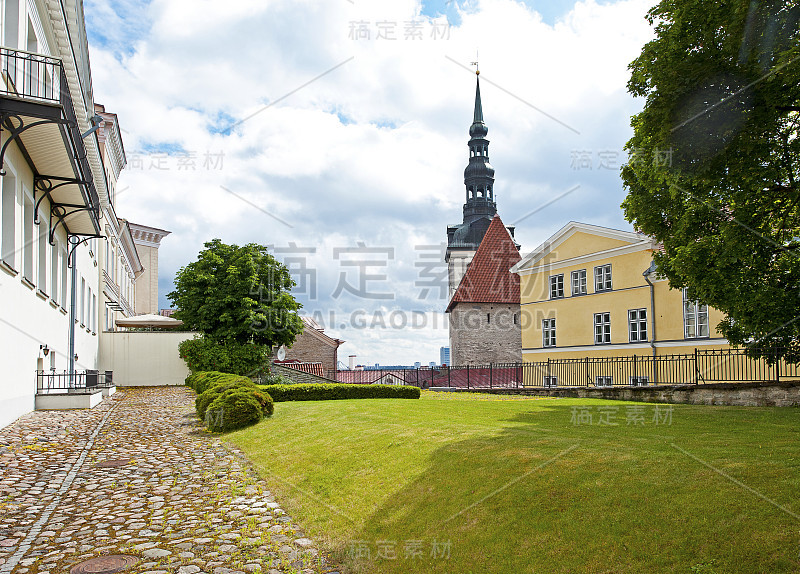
(480, 206)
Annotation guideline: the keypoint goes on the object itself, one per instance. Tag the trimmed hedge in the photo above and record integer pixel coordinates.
(338, 391)
(228, 402)
(217, 388)
(198, 378)
(234, 409)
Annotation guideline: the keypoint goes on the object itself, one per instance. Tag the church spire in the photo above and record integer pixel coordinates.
(479, 174)
(478, 117)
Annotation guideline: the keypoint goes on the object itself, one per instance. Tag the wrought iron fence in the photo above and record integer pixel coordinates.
(85, 382)
(697, 368)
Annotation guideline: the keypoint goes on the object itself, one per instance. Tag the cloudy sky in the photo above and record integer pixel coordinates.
(336, 131)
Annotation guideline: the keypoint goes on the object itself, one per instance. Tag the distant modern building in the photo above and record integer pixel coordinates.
(484, 294)
(444, 356)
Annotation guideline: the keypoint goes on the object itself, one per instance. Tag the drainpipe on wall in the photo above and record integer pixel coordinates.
(72, 254)
(646, 275)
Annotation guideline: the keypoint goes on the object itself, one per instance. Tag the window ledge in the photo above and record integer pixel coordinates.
(8, 269)
(53, 304)
(62, 310)
(28, 283)
(41, 294)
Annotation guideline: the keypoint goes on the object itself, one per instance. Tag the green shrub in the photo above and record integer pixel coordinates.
(234, 409)
(218, 387)
(335, 391)
(266, 402)
(207, 379)
(207, 354)
(192, 379)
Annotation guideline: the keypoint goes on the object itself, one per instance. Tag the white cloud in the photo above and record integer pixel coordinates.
(374, 151)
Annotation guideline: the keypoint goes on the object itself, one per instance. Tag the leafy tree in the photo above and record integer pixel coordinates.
(237, 295)
(715, 162)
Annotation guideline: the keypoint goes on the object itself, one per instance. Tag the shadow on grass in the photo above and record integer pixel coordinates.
(546, 494)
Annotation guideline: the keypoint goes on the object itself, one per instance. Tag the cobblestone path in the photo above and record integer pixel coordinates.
(138, 476)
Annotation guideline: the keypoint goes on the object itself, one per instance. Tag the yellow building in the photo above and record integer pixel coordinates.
(590, 291)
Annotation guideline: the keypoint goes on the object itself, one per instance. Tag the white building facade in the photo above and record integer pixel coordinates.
(60, 161)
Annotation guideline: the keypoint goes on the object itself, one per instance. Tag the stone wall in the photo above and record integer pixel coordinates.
(308, 348)
(483, 333)
(783, 394)
(299, 376)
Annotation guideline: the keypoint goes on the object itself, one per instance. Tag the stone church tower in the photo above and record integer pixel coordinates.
(484, 302)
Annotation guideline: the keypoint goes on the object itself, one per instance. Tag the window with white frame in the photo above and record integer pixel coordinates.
(83, 303)
(579, 282)
(695, 318)
(602, 328)
(27, 239)
(11, 24)
(550, 381)
(9, 207)
(603, 381)
(548, 332)
(64, 262)
(637, 325)
(640, 381)
(92, 314)
(602, 278)
(54, 271)
(41, 276)
(557, 286)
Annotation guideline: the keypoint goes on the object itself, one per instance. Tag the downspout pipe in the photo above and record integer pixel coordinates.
(646, 274)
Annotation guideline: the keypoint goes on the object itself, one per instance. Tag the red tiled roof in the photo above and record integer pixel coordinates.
(312, 368)
(488, 279)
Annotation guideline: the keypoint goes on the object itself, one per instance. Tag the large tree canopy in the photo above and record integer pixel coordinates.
(715, 161)
(237, 294)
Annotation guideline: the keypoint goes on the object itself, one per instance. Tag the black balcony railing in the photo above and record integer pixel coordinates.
(32, 76)
(85, 382)
(37, 78)
(697, 368)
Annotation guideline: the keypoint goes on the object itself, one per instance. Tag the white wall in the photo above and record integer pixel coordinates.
(31, 314)
(144, 358)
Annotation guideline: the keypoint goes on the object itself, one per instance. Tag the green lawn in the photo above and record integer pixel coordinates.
(512, 485)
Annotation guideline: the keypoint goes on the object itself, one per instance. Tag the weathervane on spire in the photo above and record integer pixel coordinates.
(475, 63)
